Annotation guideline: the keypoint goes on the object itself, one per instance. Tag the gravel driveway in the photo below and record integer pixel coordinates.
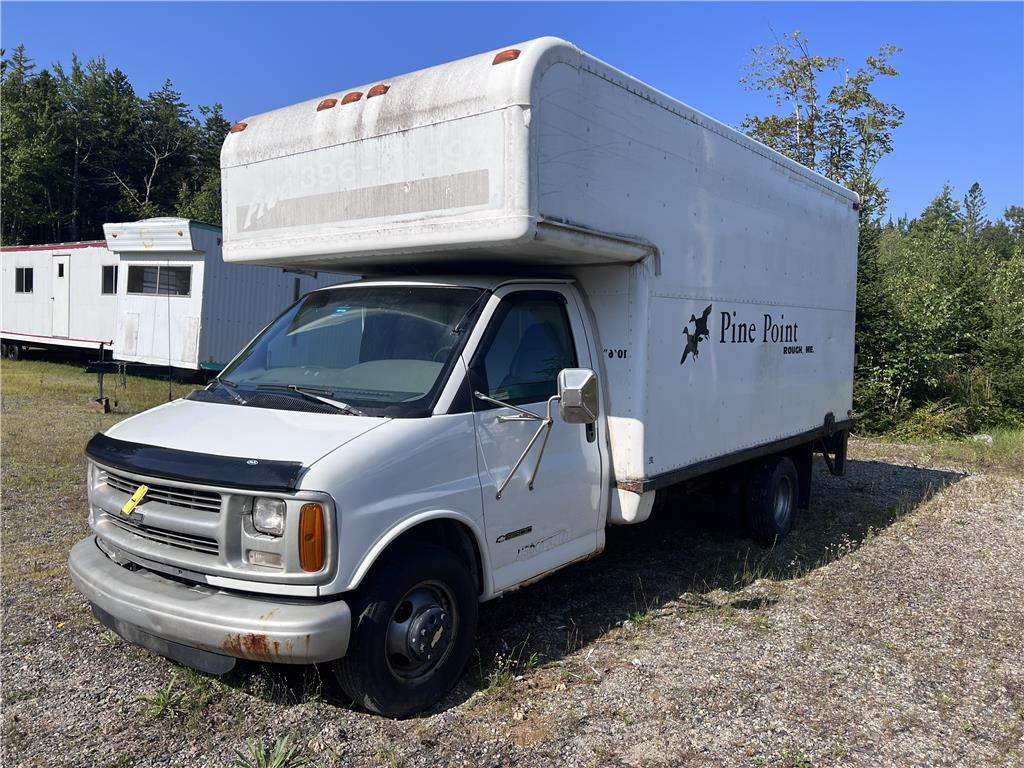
(887, 631)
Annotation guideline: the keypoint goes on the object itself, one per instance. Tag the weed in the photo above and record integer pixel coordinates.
(109, 637)
(507, 667)
(280, 754)
(386, 756)
(187, 695)
(166, 702)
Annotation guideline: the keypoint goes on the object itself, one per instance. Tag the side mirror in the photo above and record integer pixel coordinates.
(577, 392)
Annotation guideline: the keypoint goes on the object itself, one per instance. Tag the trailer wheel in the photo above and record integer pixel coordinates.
(772, 499)
(13, 352)
(414, 626)
(3, 349)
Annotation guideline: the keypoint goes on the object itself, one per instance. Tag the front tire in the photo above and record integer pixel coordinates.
(414, 625)
(772, 499)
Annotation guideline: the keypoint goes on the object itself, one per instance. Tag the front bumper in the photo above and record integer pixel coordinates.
(206, 627)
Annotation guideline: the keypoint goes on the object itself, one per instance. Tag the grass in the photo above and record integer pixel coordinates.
(1005, 454)
(46, 421)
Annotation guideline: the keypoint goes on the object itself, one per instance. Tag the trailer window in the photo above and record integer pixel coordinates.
(109, 279)
(529, 342)
(23, 280)
(166, 281)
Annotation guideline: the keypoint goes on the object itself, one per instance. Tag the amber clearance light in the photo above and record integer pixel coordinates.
(311, 537)
(510, 54)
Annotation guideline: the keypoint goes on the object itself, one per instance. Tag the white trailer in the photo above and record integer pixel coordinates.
(62, 295)
(181, 306)
(578, 292)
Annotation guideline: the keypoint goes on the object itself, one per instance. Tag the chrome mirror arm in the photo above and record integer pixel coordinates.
(545, 425)
(524, 415)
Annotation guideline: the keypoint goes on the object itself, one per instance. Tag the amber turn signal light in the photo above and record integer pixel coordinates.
(311, 537)
(351, 96)
(378, 90)
(237, 128)
(326, 104)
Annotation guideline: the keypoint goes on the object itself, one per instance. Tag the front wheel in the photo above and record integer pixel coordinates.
(772, 499)
(414, 625)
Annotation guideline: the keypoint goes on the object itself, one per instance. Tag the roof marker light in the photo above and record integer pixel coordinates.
(351, 96)
(326, 104)
(510, 54)
(238, 127)
(378, 90)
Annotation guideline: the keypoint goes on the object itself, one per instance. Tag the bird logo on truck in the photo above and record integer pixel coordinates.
(700, 331)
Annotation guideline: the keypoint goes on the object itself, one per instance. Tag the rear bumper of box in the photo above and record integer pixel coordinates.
(204, 627)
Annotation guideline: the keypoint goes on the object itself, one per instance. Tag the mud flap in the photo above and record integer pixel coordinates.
(835, 444)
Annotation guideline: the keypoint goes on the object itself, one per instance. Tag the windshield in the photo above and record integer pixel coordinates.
(381, 349)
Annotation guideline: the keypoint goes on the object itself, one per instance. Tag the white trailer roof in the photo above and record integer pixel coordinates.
(164, 234)
(440, 159)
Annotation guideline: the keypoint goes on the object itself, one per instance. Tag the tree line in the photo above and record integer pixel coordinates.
(79, 147)
(940, 304)
(940, 297)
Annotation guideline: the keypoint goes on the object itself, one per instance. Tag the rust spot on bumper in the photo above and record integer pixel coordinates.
(256, 646)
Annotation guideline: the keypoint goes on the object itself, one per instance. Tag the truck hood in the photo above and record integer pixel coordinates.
(244, 432)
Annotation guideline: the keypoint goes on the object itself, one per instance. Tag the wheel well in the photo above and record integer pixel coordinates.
(454, 536)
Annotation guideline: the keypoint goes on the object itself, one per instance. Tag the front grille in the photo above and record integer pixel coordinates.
(173, 496)
(162, 535)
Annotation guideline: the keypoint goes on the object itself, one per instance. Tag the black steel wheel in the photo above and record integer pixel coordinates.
(414, 622)
(13, 351)
(772, 499)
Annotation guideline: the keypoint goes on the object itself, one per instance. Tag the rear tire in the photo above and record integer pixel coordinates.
(13, 352)
(414, 623)
(772, 499)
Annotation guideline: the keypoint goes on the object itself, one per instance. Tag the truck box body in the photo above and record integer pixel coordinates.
(720, 274)
(61, 295)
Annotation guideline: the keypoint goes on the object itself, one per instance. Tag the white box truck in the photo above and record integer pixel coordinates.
(577, 292)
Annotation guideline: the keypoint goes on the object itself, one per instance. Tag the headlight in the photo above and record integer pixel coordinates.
(268, 516)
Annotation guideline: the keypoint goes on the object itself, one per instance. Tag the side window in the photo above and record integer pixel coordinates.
(530, 341)
(109, 279)
(173, 281)
(23, 279)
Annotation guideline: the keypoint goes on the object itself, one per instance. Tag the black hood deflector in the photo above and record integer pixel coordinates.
(250, 473)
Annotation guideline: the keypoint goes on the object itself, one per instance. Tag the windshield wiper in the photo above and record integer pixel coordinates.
(232, 390)
(320, 395)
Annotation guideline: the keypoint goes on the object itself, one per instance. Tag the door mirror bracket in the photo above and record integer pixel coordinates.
(577, 400)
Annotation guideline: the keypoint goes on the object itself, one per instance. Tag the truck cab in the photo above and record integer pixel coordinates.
(395, 427)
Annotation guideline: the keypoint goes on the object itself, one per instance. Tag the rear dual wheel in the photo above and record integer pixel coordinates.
(414, 622)
(772, 499)
(12, 351)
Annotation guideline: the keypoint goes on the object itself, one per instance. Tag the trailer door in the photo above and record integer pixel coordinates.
(60, 295)
(532, 335)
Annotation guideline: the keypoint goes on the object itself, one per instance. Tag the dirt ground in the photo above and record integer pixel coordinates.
(887, 630)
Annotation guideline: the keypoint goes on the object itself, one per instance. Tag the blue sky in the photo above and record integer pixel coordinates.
(961, 81)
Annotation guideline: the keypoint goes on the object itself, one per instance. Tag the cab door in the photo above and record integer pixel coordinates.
(532, 334)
